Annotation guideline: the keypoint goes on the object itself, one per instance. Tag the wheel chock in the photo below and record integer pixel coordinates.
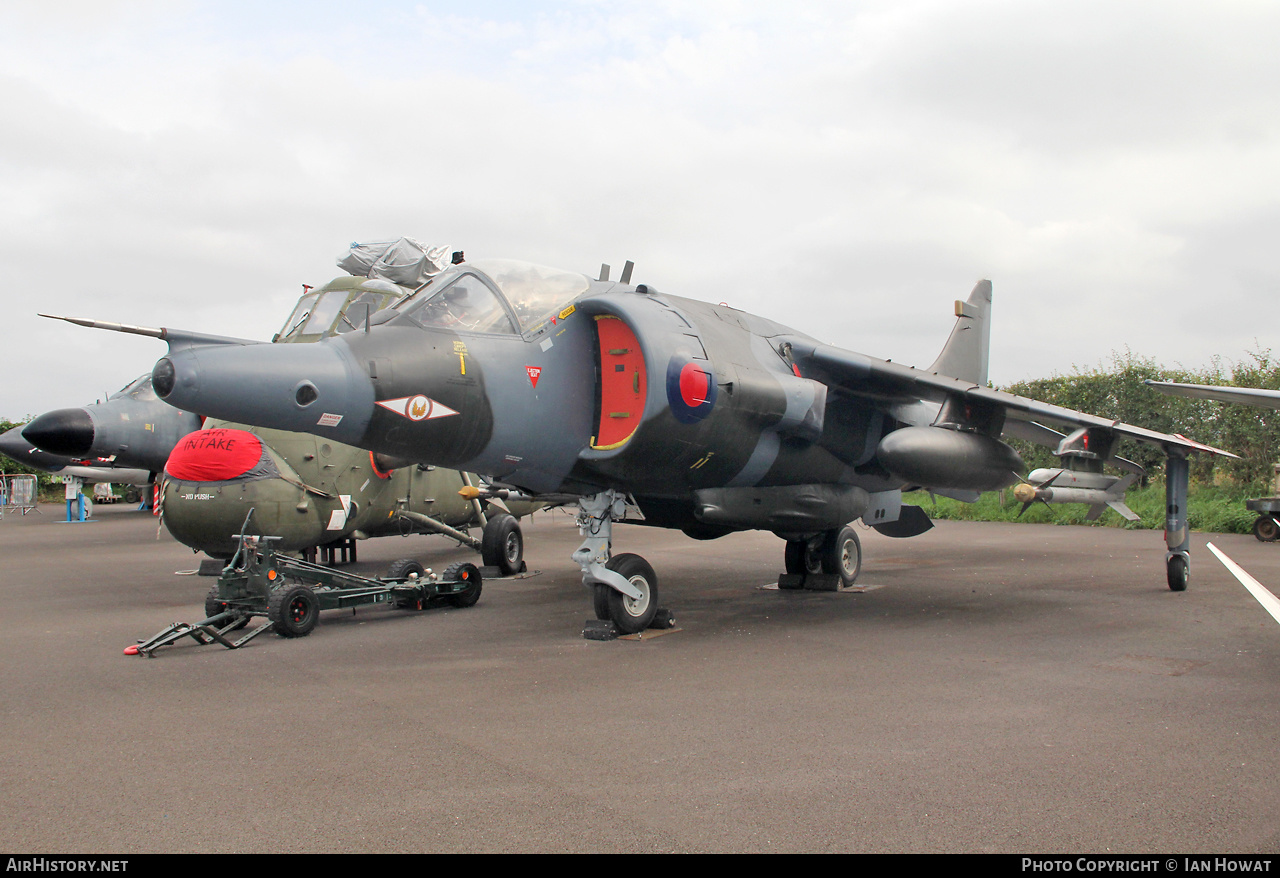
(809, 581)
(822, 582)
(599, 629)
(662, 619)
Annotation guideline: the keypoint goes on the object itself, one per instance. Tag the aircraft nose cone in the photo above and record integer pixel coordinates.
(63, 431)
(316, 388)
(13, 445)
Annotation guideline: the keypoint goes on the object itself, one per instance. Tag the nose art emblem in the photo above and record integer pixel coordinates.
(417, 408)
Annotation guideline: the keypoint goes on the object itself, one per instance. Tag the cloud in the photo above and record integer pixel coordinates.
(848, 170)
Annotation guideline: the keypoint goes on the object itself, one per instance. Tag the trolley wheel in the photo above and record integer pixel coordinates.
(1266, 529)
(406, 568)
(294, 609)
(213, 605)
(463, 571)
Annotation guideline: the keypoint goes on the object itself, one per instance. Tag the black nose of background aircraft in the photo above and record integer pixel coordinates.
(131, 428)
(62, 431)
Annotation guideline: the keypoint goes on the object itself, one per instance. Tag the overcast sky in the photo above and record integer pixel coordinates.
(845, 168)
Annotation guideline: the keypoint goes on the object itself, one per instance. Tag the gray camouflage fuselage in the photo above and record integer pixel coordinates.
(715, 420)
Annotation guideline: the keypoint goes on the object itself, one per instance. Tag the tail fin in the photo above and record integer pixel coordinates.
(965, 354)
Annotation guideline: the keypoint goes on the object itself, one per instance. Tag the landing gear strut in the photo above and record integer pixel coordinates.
(1177, 535)
(624, 588)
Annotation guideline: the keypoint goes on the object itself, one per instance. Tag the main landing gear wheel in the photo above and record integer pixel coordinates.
(801, 557)
(630, 615)
(465, 572)
(1178, 571)
(841, 554)
(1266, 529)
(502, 545)
(294, 609)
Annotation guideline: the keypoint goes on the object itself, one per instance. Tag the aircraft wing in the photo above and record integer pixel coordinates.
(887, 381)
(1254, 396)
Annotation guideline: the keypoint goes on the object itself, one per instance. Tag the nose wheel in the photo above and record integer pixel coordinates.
(630, 615)
(624, 588)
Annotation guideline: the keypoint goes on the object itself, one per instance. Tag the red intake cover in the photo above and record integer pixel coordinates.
(214, 455)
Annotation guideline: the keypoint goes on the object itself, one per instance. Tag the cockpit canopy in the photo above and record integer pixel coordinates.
(339, 306)
(496, 296)
(138, 388)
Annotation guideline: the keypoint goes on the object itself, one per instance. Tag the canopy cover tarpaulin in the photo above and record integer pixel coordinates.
(403, 261)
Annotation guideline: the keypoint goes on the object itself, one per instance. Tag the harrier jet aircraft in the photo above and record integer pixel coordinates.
(639, 404)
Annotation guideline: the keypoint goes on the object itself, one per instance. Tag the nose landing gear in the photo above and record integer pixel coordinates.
(624, 588)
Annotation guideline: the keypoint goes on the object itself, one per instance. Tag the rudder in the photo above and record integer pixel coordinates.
(966, 352)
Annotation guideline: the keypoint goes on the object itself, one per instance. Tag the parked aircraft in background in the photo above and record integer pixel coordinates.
(310, 493)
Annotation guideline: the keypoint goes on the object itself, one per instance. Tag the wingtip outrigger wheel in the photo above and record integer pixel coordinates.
(1177, 570)
(1177, 535)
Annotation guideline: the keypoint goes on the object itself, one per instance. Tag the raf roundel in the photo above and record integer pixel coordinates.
(691, 388)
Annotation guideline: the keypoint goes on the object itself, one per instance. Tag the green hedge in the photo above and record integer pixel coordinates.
(1210, 509)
